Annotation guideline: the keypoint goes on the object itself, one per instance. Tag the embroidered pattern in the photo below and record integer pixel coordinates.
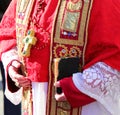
(103, 77)
(75, 51)
(70, 25)
(72, 14)
(64, 51)
(101, 82)
(60, 51)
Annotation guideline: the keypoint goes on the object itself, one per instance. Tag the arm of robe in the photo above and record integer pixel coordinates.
(100, 82)
(75, 97)
(8, 29)
(8, 42)
(12, 92)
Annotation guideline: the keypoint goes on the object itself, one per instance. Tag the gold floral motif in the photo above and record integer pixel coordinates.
(74, 52)
(62, 51)
(63, 108)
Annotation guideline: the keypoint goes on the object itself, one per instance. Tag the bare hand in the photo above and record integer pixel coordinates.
(59, 97)
(20, 80)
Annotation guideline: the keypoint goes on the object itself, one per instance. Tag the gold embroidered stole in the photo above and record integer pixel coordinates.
(23, 12)
(69, 39)
(24, 8)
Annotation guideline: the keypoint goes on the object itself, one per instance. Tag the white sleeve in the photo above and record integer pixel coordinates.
(102, 83)
(6, 58)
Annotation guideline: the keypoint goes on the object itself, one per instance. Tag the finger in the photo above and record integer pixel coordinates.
(57, 84)
(26, 84)
(14, 74)
(23, 83)
(13, 70)
(16, 64)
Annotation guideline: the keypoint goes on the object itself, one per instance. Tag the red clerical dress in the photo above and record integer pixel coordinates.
(88, 29)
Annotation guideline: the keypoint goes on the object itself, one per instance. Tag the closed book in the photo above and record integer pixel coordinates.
(65, 67)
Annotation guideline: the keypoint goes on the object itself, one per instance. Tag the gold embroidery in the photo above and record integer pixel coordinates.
(60, 51)
(74, 6)
(23, 5)
(63, 108)
(80, 35)
(72, 44)
(72, 14)
(71, 21)
(22, 22)
(74, 52)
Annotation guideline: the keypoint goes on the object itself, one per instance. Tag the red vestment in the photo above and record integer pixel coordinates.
(103, 36)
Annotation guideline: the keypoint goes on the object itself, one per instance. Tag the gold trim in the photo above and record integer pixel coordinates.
(51, 104)
(83, 22)
(86, 31)
(21, 30)
(22, 24)
(23, 5)
(74, 6)
(80, 40)
(24, 21)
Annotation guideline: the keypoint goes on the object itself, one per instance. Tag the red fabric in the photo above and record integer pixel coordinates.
(7, 29)
(6, 45)
(7, 25)
(103, 45)
(37, 64)
(104, 34)
(73, 95)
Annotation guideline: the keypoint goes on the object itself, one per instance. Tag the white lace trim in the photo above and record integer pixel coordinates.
(7, 57)
(102, 83)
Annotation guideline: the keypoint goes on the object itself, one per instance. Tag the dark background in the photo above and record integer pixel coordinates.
(9, 108)
(3, 6)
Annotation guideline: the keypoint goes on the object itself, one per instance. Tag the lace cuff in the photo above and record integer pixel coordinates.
(102, 83)
(13, 93)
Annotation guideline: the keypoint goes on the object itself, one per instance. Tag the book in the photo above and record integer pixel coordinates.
(65, 67)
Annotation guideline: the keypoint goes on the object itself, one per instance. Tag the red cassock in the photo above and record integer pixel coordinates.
(103, 42)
